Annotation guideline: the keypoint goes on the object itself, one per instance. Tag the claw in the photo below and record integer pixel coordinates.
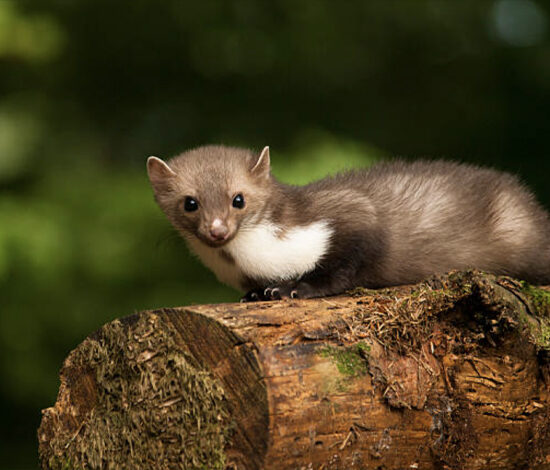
(294, 294)
(267, 292)
(275, 293)
(250, 297)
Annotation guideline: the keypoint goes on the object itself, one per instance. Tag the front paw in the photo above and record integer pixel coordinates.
(271, 293)
(295, 290)
(300, 290)
(287, 291)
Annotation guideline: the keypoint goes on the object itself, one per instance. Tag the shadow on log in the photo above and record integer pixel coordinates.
(450, 373)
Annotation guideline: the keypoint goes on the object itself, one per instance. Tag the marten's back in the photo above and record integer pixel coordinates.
(437, 216)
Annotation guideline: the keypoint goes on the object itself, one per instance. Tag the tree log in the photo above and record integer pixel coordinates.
(450, 373)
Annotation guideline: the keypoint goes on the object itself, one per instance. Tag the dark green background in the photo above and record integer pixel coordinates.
(90, 88)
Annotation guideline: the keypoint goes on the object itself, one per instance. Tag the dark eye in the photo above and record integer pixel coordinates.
(190, 204)
(238, 201)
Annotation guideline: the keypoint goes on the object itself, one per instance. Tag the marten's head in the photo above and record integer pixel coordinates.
(211, 192)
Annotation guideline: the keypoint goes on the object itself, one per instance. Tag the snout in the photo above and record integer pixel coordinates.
(218, 231)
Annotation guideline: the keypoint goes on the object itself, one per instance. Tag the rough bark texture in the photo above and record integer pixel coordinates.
(450, 373)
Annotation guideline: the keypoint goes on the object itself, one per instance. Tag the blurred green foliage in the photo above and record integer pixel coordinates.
(89, 89)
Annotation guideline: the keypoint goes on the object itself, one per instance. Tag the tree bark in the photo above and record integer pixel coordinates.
(450, 373)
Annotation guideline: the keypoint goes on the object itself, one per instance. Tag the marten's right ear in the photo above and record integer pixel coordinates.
(158, 170)
(261, 167)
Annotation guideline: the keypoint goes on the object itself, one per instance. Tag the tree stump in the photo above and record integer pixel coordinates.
(450, 373)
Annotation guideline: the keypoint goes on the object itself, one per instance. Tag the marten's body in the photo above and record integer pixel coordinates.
(395, 223)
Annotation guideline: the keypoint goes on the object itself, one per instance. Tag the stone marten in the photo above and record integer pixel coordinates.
(394, 223)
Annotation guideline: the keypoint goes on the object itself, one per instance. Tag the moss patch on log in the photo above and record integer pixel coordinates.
(540, 298)
(539, 331)
(538, 326)
(350, 361)
(155, 407)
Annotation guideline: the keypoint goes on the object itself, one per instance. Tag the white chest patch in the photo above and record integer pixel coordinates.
(263, 252)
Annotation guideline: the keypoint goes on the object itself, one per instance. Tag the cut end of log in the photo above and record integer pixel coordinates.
(450, 373)
(132, 397)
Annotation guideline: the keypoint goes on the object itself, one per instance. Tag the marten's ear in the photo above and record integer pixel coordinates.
(261, 167)
(158, 170)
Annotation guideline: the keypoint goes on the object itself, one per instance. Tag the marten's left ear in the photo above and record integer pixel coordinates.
(261, 167)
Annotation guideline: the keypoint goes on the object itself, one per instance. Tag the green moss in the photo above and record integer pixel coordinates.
(363, 348)
(350, 361)
(55, 462)
(539, 330)
(544, 337)
(155, 408)
(540, 298)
